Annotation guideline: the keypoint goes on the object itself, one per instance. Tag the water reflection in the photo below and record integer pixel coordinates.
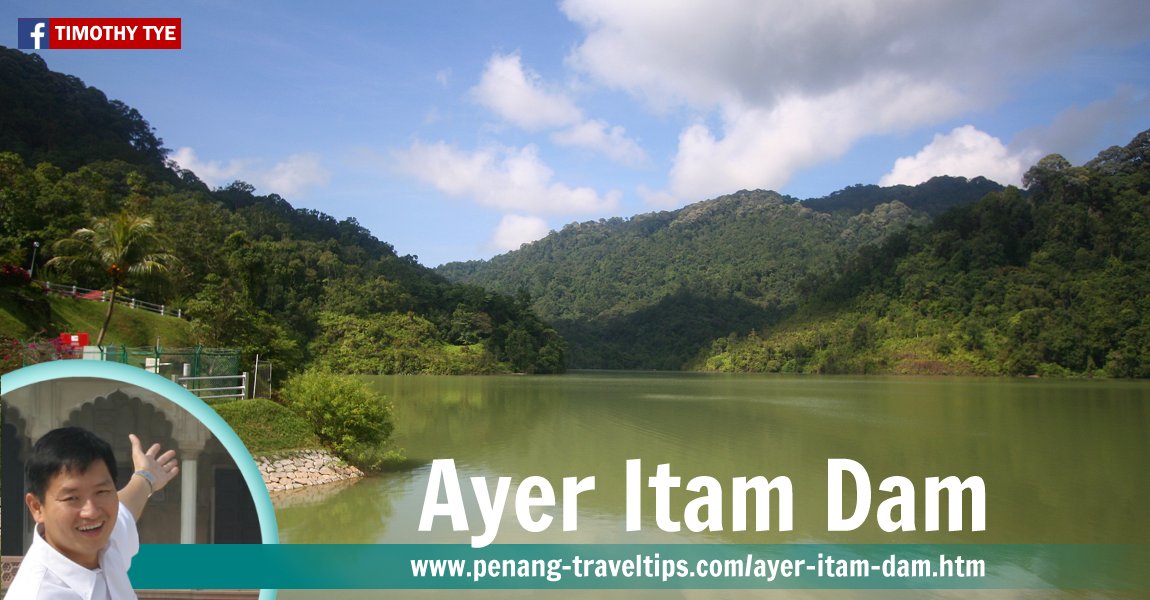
(344, 512)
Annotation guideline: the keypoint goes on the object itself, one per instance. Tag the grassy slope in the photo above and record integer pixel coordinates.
(11, 321)
(129, 327)
(267, 428)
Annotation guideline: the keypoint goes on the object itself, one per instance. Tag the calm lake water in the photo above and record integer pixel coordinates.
(1064, 462)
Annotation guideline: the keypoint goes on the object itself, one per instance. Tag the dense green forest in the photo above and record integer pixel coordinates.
(296, 286)
(1050, 280)
(651, 291)
(1055, 281)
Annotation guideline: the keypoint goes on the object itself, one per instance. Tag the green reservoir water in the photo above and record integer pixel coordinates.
(1064, 462)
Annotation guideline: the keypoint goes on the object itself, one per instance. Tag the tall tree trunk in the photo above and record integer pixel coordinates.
(107, 317)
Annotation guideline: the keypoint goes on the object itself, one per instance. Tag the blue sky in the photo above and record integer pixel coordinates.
(459, 130)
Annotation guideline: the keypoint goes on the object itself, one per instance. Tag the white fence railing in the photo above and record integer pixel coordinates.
(103, 296)
(193, 385)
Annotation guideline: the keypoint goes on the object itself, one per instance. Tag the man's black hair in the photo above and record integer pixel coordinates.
(67, 449)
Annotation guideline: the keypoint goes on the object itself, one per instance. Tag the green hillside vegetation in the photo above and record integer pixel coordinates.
(1052, 282)
(59, 314)
(296, 286)
(651, 291)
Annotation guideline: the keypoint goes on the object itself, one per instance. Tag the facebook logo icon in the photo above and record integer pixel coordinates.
(32, 34)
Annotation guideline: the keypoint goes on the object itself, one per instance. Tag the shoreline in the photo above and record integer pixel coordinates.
(303, 468)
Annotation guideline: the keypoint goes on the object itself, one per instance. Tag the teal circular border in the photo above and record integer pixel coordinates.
(67, 369)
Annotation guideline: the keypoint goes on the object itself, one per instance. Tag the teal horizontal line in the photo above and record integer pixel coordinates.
(541, 566)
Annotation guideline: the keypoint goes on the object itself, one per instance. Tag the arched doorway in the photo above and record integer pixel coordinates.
(113, 417)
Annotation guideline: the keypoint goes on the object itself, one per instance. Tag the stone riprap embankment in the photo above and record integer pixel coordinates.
(302, 469)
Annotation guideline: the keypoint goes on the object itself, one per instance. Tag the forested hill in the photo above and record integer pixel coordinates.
(296, 286)
(1055, 282)
(651, 291)
(56, 118)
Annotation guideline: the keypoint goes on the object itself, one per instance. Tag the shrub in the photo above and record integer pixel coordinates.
(11, 354)
(12, 275)
(347, 416)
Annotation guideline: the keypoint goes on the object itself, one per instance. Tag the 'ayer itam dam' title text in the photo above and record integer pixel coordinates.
(705, 512)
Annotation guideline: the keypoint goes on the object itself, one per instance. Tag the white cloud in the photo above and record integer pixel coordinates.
(520, 97)
(763, 147)
(688, 52)
(290, 176)
(508, 179)
(293, 174)
(515, 230)
(610, 141)
(212, 172)
(443, 77)
(795, 84)
(964, 152)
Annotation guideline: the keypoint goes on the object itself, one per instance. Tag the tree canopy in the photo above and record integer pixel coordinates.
(117, 248)
(1054, 280)
(651, 291)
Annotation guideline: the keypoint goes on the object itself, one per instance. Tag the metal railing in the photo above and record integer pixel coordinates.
(75, 291)
(193, 385)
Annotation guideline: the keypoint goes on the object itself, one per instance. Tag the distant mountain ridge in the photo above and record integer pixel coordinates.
(1051, 282)
(932, 197)
(726, 265)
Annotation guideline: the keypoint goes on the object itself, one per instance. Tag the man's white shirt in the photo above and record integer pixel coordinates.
(46, 574)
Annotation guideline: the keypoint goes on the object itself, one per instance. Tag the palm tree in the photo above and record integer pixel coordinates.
(116, 248)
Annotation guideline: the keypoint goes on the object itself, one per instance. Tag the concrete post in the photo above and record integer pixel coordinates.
(188, 487)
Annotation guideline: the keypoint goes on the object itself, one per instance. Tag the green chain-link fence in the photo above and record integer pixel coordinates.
(188, 362)
(195, 368)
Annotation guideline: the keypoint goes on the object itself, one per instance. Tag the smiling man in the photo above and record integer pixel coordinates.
(85, 528)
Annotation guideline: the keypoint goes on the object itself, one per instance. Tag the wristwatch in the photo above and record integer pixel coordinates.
(151, 479)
